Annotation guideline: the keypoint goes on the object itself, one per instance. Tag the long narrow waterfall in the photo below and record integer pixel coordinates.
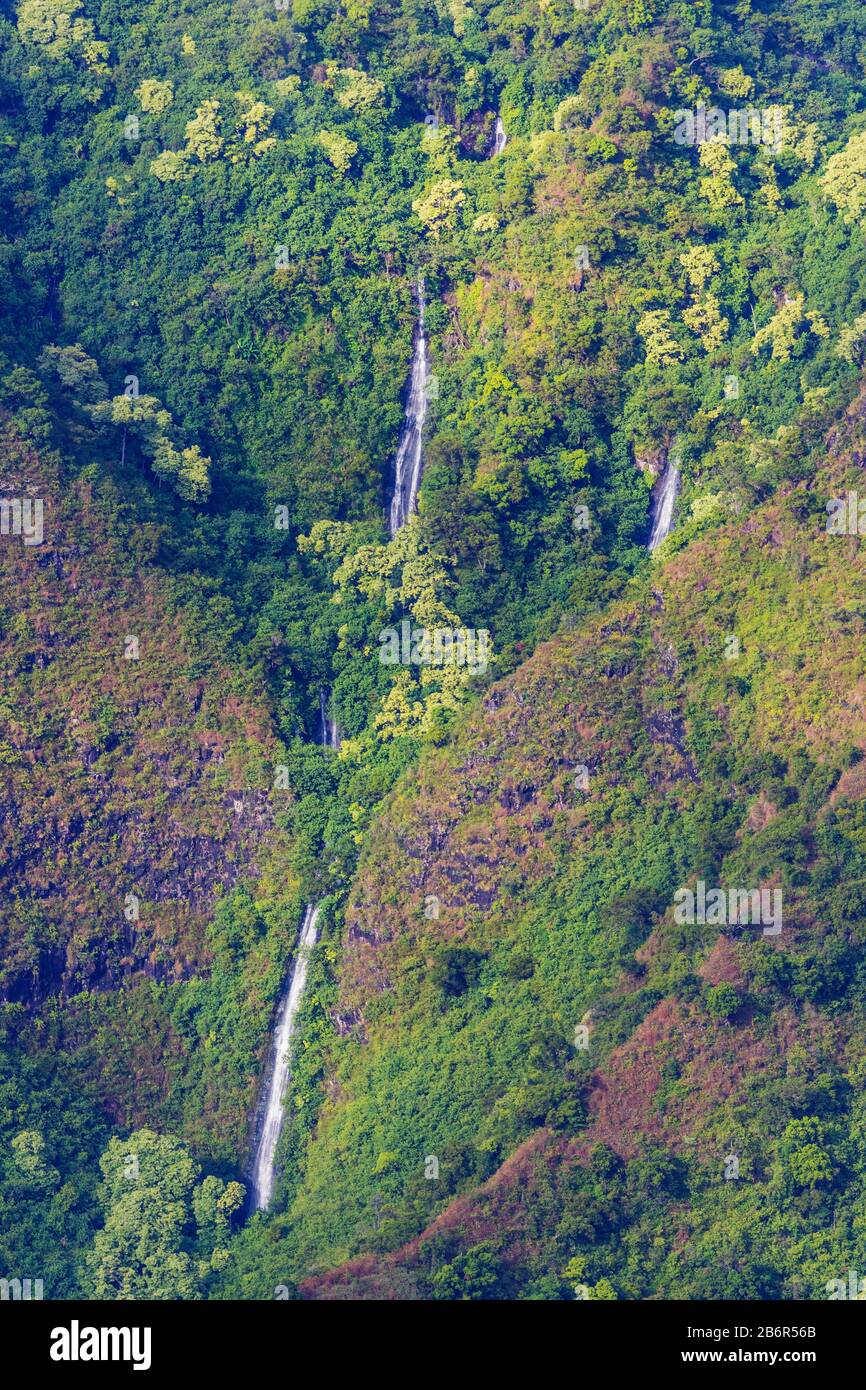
(330, 732)
(272, 1120)
(500, 139)
(279, 1070)
(663, 506)
(410, 461)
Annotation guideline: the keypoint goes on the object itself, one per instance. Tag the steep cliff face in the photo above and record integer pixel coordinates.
(485, 823)
(709, 731)
(134, 781)
(521, 1065)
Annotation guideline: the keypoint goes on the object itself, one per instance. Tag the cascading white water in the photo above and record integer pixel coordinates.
(500, 139)
(272, 1120)
(330, 732)
(407, 469)
(663, 507)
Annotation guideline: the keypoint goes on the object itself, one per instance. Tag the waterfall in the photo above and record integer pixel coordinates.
(272, 1119)
(409, 463)
(500, 139)
(330, 732)
(663, 505)
(279, 1070)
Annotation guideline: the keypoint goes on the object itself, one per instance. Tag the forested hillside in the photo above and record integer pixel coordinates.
(519, 1070)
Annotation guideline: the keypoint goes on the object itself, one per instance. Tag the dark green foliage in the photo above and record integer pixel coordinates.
(263, 299)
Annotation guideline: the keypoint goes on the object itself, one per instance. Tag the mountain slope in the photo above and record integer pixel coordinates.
(515, 1070)
(703, 1043)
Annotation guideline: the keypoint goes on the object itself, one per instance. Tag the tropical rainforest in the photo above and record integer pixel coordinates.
(517, 1072)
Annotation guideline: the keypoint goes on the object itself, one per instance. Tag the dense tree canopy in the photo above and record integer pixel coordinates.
(214, 229)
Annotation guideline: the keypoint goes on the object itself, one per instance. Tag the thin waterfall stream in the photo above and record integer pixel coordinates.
(663, 505)
(272, 1119)
(329, 731)
(410, 458)
(279, 1070)
(409, 463)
